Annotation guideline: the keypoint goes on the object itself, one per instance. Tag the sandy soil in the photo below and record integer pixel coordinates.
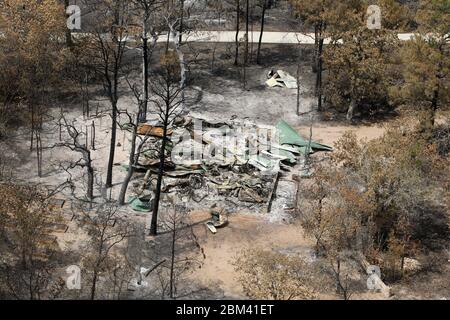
(242, 232)
(329, 133)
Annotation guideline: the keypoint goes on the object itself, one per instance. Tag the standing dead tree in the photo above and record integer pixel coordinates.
(320, 15)
(181, 28)
(334, 217)
(341, 268)
(184, 251)
(168, 101)
(238, 18)
(247, 25)
(263, 20)
(77, 142)
(146, 10)
(107, 230)
(108, 51)
(181, 60)
(31, 59)
(137, 142)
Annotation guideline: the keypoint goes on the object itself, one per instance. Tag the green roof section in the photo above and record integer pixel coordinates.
(139, 205)
(289, 136)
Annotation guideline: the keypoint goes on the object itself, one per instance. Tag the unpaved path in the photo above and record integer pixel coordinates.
(243, 231)
(329, 133)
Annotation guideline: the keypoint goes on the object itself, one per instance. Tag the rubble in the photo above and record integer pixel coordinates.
(149, 130)
(218, 219)
(281, 79)
(236, 163)
(210, 226)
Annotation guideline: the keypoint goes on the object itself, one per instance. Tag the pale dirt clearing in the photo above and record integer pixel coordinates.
(243, 231)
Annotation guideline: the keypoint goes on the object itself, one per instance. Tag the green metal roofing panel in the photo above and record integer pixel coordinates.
(288, 135)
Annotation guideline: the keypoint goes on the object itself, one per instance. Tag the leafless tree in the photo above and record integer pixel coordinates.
(137, 141)
(107, 49)
(263, 18)
(77, 141)
(169, 103)
(343, 279)
(107, 230)
(147, 11)
(238, 19)
(180, 235)
(172, 22)
(247, 24)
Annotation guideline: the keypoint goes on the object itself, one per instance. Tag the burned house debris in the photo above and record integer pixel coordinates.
(281, 79)
(239, 164)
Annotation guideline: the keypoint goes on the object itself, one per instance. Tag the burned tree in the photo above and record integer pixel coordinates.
(183, 252)
(146, 9)
(132, 125)
(238, 17)
(168, 102)
(263, 18)
(247, 24)
(75, 143)
(318, 14)
(107, 50)
(107, 231)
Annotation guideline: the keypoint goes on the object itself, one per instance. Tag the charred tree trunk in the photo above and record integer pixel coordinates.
(180, 36)
(133, 160)
(298, 88)
(113, 96)
(162, 157)
(112, 146)
(263, 16)
(69, 41)
(90, 182)
(39, 152)
(316, 49)
(247, 22)
(143, 112)
(32, 126)
(94, 284)
(238, 14)
(434, 107)
(93, 135)
(172, 259)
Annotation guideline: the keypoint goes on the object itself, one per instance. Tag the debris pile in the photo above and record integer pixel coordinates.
(238, 164)
(219, 219)
(281, 79)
